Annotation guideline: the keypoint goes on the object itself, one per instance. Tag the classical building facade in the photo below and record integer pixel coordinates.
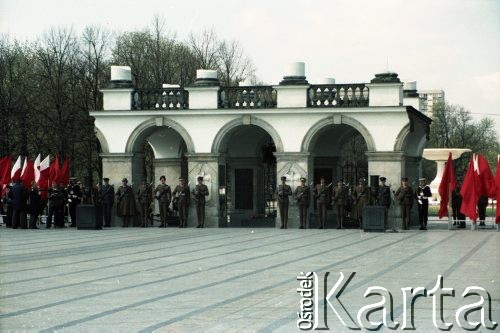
(243, 139)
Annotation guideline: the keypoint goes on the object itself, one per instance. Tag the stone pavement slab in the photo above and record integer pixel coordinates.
(228, 280)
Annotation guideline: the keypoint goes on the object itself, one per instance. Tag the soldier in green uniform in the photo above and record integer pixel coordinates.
(200, 191)
(384, 197)
(145, 197)
(404, 195)
(182, 196)
(125, 203)
(339, 198)
(322, 195)
(284, 191)
(163, 194)
(362, 196)
(302, 195)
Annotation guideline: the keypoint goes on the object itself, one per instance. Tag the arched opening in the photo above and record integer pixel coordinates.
(247, 177)
(339, 153)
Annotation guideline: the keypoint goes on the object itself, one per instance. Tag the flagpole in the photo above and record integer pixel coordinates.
(449, 207)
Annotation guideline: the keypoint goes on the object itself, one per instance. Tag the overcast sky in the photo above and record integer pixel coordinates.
(452, 45)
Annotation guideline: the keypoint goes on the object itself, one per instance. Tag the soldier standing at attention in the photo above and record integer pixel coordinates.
(405, 198)
(200, 191)
(125, 203)
(144, 195)
(284, 191)
(302, 195)
(34, 204)
(384, 197)
(182, 195)
(422, 194)
(74, 193)
(107, 199)
(362, 197)
(163, 194)
(338, 200)
(322, 199)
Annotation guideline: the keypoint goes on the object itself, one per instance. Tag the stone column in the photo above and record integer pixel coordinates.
(171, 169)
(389, 164)
(412, 168)
(293, 166)
(117, 166)
(206, 165)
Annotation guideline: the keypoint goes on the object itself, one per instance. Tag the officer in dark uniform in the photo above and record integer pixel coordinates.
(74, 194)
(182, 196)
(422, 194)
(284, 191)
(107, 199)
(34, 204)
(404, 195)
(163, 194)
(362, 197)
(339, 198)
(322, 195)
(56, 206)
(302, 195)
(145, 197)
(200, 191)
(384, 197)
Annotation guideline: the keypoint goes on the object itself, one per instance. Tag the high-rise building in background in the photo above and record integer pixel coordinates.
(429, 98)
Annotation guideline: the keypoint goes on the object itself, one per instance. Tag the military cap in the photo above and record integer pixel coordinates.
(124, 180)
(404, 179)
(283, 178)
(421, 179)
(180, 178)
(163, 177)
(72, 178)
(106, 179)
(302, 179)
(383, 179)
(200, 178)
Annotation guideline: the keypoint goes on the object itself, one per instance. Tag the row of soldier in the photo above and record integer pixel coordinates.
(360, 196)
(180, 199)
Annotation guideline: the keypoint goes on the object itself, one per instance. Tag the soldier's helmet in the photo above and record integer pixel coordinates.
(124, 180)
(200, 178)
(283, 178)
(382, 179)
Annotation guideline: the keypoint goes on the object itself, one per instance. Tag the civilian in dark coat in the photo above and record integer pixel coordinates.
(19, 198)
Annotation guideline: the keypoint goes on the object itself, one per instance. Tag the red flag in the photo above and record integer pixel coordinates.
(64, 173)
(54, 170)
(15, 174)
(469, 192)
(497, 183)
(448, 184)
(487, 181)
(28, 174)
(5, 165)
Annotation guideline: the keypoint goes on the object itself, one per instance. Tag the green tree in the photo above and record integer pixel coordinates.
(453, 127)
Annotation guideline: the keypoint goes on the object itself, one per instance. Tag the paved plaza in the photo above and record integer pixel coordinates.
(229, 279)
